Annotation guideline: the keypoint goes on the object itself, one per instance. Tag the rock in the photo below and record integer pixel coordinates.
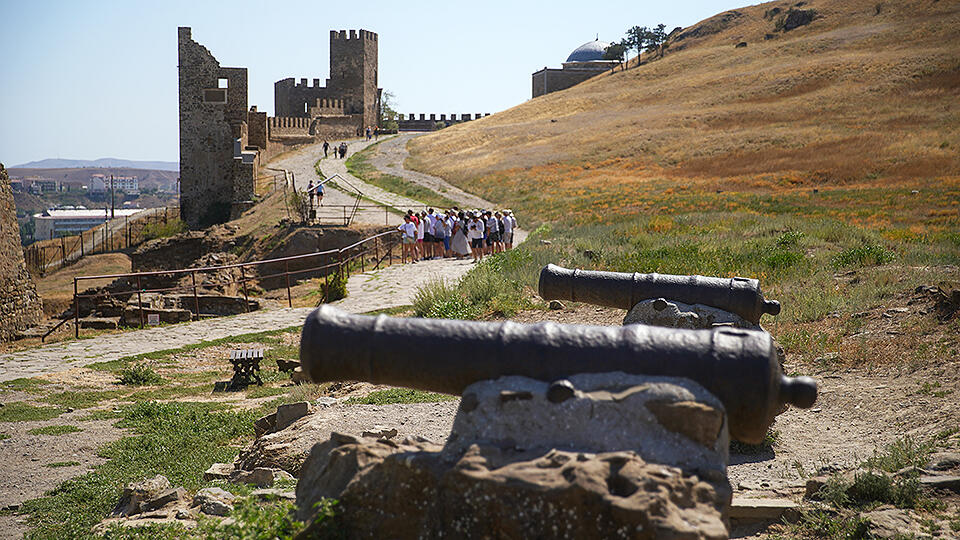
(265, 424)
(260, 476)
(218, 471)
(742, 509)
(326, 401)
(796, 18)
(270, 493)
(290, 413)
(951, 483)
(163, 499)
(944, 461)
(556, 305)
(299, 377)
(99, 323)
(136, 493)
(380, 432)
(608, 412)
(891, 523)
(740, 45)
(545, 242)
(183, 513)
(214, 501)
(413, 491)
(672, 314)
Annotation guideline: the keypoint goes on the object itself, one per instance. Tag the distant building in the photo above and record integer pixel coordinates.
(584, 62)
(100, 183)
(43, 185)
(68, 221)
(72, 186)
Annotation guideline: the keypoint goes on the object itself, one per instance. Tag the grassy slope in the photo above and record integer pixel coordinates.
(794, 160)
(853, 99)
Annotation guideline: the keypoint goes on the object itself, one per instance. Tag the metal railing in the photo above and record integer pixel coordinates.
(112, 235)
(339, 262)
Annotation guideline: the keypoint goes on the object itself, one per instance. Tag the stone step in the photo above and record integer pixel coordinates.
(743, 509)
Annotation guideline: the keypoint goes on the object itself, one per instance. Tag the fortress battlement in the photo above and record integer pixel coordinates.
(342, 35)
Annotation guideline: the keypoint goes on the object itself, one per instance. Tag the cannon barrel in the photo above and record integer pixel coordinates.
(739, 366)
(623, 290)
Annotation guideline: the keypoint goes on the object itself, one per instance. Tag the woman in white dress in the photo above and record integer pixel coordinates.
(460, 245)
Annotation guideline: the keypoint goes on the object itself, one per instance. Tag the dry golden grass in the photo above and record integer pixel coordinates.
(855, 98)
(56, 288)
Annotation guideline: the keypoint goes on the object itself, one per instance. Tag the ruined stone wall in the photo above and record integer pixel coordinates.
(291, 98)
(213, 114)
(20, 305)
(257, 128)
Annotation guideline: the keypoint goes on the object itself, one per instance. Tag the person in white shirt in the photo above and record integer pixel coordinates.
(420, 226)
(475, 235)
(509, 224)
(408, 239)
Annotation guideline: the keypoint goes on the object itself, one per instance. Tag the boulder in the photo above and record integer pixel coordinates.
(290, 413)
(218, 471)
(137, 493)
(892, 523)
(260, 476)
(214, 501)
(944, 461)
(410, 490)
(166, 497)
(673, 314)
(665, 420)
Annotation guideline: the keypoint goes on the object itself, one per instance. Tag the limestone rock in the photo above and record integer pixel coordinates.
(891, 523)
(666, 420)
(556, 305)
(260, 476)
(673, 314)
(214, 501)
(743, 509)
(137, 493)
(411, 490)
(265, 424)
(272, 493)
(944, 461)
(166, 497)
(380, 432)
(218, 471)
(290, 413)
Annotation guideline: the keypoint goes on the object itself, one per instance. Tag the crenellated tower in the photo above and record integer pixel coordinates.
(353, 72)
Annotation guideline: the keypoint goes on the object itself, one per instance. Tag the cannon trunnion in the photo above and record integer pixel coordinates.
(624, 290)
(739, 366)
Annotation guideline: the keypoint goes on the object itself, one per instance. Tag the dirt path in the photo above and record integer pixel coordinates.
(389, 158)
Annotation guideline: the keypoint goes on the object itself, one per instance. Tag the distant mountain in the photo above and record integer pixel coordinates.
(102, 163)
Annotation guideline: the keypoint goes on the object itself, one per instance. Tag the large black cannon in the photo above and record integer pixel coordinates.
(739, 366)
(623, 290)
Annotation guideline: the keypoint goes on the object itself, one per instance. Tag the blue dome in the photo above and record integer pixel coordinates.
(590, 51)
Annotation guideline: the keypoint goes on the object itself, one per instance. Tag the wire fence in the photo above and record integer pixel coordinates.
(374, 252)
(113, 235)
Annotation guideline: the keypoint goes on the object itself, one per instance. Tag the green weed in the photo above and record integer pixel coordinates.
(23, 384)
(59, 464)
(863, 255)
(399, 395)
(54, 430)
(139, 375)
(19, 411)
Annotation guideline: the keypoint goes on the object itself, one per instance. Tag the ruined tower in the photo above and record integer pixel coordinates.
(351, 89)
(20, 306)
(353, 73)
(216, 168)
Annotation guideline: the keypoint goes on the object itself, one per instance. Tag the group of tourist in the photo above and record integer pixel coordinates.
(338, 151)
(456, 233)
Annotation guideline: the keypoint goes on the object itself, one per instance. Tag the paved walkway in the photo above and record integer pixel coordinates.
(390, 287)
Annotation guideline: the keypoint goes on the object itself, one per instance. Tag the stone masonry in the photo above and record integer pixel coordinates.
(20, 306)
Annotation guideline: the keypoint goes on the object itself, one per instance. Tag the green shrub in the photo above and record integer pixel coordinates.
(863, 255)
(334, 287)
(172, 227)
(19, 411)
(139, 375)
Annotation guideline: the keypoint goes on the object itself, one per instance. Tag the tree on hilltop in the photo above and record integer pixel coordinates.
(388, 116)
(656, 38)
(616, 51)
(642, 39)
(636, 38)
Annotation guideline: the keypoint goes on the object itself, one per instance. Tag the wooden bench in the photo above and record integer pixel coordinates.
(246, 367)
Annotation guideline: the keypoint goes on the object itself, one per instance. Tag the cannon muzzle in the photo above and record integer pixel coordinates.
(622, 290)
(738, 366)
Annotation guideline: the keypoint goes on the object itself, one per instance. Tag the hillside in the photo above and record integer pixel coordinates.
(164, 180)
(57, 163)
(864, 95)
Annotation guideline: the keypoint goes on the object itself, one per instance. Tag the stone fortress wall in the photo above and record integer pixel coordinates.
(223, 142)
(410, 122)
(20, 306)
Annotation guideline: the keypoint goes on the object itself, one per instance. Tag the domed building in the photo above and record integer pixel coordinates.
(583, 63)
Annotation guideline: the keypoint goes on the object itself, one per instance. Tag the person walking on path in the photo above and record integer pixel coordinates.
(460, 245)
(408, 239)
(311, 195)
(475, 235)
(326, 147)
(509, 224)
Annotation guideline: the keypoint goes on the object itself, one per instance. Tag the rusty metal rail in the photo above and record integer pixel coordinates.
(338, 261)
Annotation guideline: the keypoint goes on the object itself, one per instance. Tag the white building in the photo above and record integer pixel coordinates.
(53, 222)
(100, 183)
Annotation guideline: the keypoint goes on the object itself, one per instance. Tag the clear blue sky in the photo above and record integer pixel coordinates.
(90, 79)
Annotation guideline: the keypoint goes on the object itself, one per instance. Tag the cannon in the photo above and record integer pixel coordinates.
(738, 366)
(623, 290)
